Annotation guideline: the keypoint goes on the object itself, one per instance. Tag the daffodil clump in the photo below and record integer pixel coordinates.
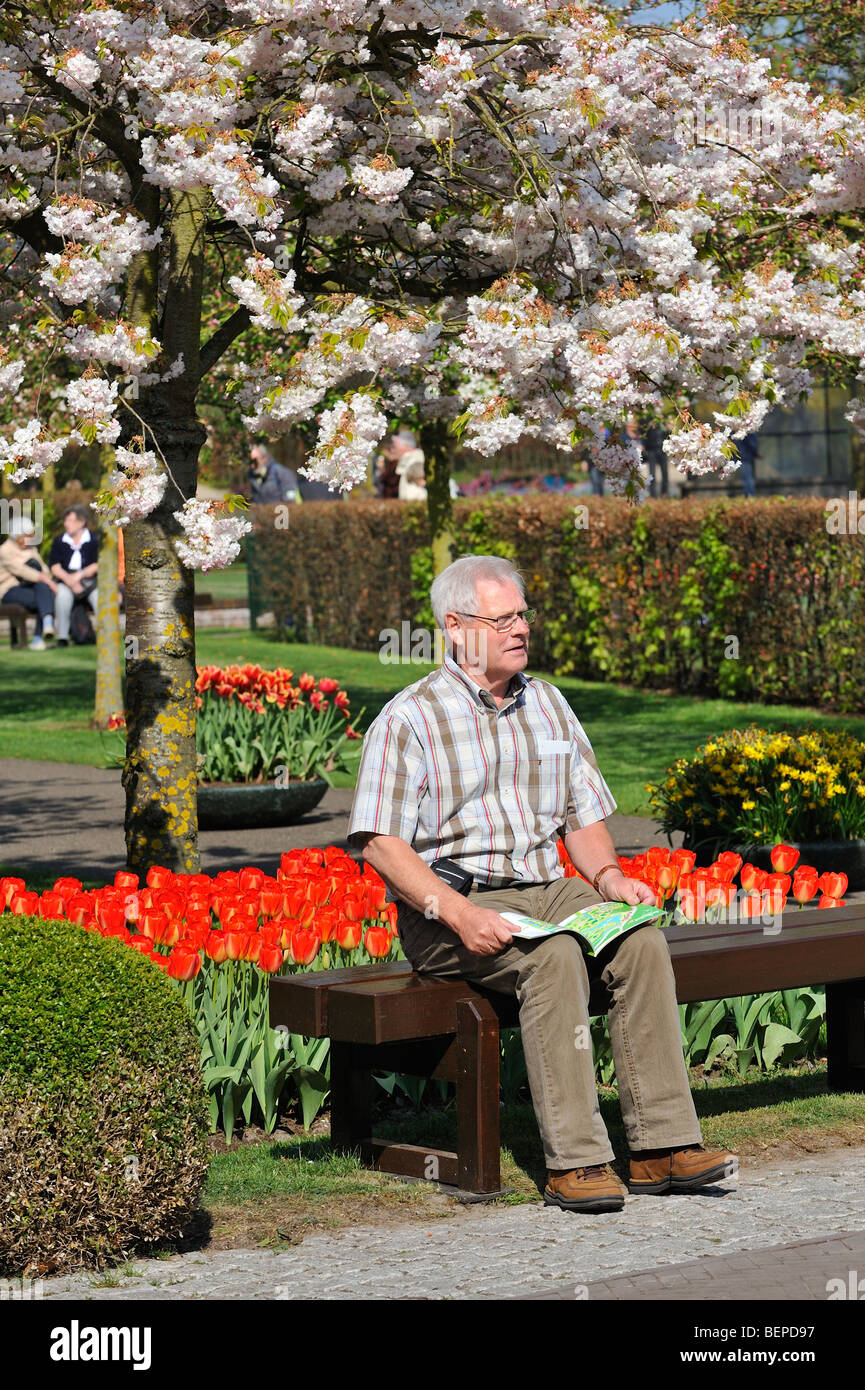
(756, 787)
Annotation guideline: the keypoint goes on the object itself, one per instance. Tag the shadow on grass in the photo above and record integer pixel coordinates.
(523, 1164)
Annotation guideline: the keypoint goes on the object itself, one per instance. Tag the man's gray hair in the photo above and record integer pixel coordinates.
(455, 589)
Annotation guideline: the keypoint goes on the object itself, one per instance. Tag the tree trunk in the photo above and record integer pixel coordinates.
(434, 441)
(109, 672)
(160, 775)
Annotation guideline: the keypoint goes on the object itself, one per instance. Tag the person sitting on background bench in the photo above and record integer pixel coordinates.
(26, 580)
(73, 562)
(481, 765)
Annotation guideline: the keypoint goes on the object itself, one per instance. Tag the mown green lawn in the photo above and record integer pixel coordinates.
(46, 700)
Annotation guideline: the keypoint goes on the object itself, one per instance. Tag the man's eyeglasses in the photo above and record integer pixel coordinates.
(507, 620)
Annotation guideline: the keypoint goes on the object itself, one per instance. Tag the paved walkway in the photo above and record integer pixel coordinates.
(37, 827)
(782, 1231)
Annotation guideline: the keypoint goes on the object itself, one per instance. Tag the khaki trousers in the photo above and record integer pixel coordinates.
(552, 979)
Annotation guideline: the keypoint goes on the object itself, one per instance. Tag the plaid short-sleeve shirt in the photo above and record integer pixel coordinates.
(458, 777)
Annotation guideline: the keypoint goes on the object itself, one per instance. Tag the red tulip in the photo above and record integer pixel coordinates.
(66, 887)
(270, 959)
(685, 858)
(730, 860)
(159, 877)
(354, 908)
(303, 945)
(326, 922)
(720, 895)
(377, 942)
(272, 896)
(142, 944)
(376, 896)
(327, 685)
(348, 932)
(111, 915)
(253, 946)
(159, 927)
(668, 876)
(24, 902)
(183, 963)
(51, 906)
(828, 901)
(250, 880)
(235, 944)
(8, 886)
(79, 908)
(690, 908)
(123, 879)
(833, 885)
(215, 947)
(805, 888)
(778, 880)
(783, 858)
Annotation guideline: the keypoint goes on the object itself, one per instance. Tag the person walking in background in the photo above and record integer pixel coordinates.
(631, 437)
(653, 436)
(73, 563)
(748, 450)
(25, 579)
(270, 481)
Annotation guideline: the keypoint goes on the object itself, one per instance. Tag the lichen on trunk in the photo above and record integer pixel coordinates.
(160, 772)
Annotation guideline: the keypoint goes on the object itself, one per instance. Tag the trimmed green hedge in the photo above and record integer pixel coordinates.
(743, 598)
(103, 1117)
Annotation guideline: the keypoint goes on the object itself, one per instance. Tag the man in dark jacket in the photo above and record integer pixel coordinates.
(270, 481)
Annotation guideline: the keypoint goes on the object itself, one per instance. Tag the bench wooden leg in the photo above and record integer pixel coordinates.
(478, 1128)
(350, 1098)
(845, 1031)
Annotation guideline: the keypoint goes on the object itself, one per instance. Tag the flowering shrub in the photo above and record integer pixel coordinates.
(756, 787)
(254, 724)
(219, 939)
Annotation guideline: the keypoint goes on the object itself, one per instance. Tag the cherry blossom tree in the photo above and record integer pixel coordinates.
(511, 220)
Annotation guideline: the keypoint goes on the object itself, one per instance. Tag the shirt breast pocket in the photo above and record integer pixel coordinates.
(552, 763)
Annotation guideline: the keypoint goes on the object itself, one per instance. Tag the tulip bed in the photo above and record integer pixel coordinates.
(253, 724)
(220, 938)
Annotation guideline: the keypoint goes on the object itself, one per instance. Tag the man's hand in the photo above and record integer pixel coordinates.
(617, 887)
(485, 932)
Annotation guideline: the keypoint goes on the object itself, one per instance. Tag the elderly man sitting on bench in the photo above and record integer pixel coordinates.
(483, 766)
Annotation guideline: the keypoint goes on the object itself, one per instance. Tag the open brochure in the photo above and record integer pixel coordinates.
(597, 926)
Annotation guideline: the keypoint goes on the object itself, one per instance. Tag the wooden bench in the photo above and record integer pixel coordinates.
(16, 616)
(388, 1017)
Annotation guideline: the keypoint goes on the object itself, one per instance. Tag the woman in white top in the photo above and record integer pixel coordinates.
(410, 470)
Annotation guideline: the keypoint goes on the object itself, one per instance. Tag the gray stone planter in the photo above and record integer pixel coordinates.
(238, 805)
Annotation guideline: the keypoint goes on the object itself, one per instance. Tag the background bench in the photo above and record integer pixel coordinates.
(387, 1017)
(16, 616)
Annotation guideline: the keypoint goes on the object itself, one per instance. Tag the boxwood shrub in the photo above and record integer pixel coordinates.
(103, 1117)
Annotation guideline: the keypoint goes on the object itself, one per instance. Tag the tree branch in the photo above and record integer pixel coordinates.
(223, 337)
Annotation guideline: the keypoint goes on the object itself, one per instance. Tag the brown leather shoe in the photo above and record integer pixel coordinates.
(681, 1170)
(585, 1189)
